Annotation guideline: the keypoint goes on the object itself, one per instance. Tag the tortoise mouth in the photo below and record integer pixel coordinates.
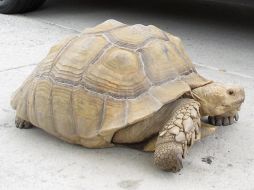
(237, 104)
(240, 101)
(234, 105)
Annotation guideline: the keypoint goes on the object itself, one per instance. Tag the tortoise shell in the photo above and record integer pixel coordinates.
(106, 78)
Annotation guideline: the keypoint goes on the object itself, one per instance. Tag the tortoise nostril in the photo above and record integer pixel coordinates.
(230, 92)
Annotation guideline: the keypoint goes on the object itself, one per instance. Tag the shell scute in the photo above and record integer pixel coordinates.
(169, 91)
(141, 108)
(87, 110)
(62, 111)
(158, 63)
(135, 36)
(114, 117)
(73, 62)
(43, 102)
(118, 73)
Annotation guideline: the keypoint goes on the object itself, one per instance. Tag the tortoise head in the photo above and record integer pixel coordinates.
(218, 99)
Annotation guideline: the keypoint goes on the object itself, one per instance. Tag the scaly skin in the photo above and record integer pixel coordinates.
(218, 101)
(22, 124)
(179, 134)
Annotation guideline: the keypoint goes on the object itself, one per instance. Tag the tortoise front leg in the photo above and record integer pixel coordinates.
(22, 124)
(179, 133)
(205, 130)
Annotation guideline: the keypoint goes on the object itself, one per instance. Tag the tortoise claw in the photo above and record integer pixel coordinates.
(236, 117)
(223, 120)
(22, 124)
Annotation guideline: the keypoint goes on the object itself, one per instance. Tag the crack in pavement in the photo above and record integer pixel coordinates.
(19, 67)
(58, 25)
(225, 71)
(54, 24)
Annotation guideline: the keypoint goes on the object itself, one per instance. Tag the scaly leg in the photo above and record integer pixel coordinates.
(206, 130)
(178, 134)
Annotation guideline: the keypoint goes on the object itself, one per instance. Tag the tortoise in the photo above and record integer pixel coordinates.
(118, 84)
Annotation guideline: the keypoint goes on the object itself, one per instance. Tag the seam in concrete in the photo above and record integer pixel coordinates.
(227, 72)
(19, 67)
(58, 25)
(51, 23)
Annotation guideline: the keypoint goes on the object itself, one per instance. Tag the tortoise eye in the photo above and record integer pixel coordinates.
(230, 92)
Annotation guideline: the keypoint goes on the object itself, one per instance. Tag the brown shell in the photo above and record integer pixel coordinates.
(108, 77)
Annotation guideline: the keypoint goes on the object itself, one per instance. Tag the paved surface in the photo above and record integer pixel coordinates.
(32, 159)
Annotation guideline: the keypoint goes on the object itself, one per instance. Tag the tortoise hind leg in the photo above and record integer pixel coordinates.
(150, 145)
(177, 135)
(147, 146)
(22, 124)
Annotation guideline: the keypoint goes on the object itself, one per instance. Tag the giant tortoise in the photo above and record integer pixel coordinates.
(131, 85)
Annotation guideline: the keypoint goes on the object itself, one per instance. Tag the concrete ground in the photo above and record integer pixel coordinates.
(222, 48)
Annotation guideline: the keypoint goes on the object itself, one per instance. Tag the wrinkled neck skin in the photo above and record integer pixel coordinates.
(217, 99)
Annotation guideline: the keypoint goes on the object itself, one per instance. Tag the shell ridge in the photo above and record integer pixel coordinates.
(74, 123)
(96, 59)
(26, 95)
(177, 50)
(148, 40)
(30, 109)
(66, 82)
(165, 35)
(114, 44)
(131, 46)
(93, 61)
(155, 99)
(144, 68)
(51, 108)
(101, 53)
(101, 32)
(169, 78)
(34, 105)
(62, 50)
(126, 112)
(107, 38)
(66, 72)
(102, 115)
